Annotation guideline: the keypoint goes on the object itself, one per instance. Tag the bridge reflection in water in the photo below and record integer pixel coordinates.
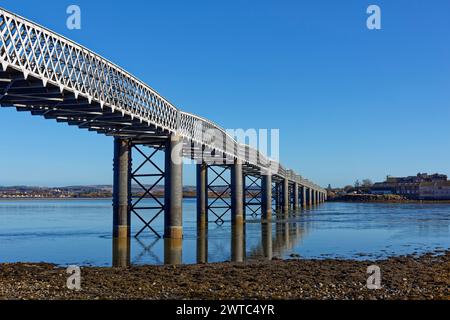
(277, 239)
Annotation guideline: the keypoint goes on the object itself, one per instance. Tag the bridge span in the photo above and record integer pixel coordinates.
(49, 75)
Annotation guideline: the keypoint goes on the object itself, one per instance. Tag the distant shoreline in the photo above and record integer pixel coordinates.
(341, 200)
(29, 199)
(397, 202)
(77, 198)
(372, 198)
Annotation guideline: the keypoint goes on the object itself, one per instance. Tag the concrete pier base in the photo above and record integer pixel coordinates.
(121, 252)
(173, 189)
(202, 245)
(266, 240)
(238, 242)
(173, 251)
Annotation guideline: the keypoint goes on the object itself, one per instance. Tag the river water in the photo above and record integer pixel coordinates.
(79, 232)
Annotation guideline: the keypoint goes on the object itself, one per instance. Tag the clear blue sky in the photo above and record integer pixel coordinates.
(350, 103)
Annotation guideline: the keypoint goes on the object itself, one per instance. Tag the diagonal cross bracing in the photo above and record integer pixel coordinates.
(145, 202)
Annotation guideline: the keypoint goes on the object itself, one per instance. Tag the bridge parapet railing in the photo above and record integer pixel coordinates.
(37, 51)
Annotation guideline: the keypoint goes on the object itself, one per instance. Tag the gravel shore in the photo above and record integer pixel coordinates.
(408, 277)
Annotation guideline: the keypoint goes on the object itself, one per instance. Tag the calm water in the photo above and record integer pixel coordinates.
(79, 232)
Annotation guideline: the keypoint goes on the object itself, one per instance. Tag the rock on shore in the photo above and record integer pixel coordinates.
(425, 277)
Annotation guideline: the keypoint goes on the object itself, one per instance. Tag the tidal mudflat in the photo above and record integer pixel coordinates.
(406, 277)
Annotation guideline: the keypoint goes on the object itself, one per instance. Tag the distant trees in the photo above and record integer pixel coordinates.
(348, 188)
(367, 183)
(359, 187)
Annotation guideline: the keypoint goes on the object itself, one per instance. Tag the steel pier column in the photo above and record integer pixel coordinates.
(266, 201)
(202, 195)
(237, 193)
(122, 188)
(121, 202)
(285, 195)
(296, 202)
(310, 198)
(303, 196)
(173, 189)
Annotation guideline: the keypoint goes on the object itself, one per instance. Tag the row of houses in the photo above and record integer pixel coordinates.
(422, 186)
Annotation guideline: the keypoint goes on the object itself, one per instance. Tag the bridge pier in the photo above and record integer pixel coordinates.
(121, 203)
(202, 195)
(296, 201)
(173, 189)
(237, 193)
(266, 195)
(310, 197)
(303, 197)
(285, 193)
(122, 188)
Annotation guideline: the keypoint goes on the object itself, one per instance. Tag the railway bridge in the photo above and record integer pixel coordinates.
(51, 76)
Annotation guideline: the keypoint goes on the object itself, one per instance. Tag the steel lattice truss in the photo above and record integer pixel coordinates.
(277, 197)
(52, 76)
(252, 195)
(220, 188)
(139, 206)
(291, 194)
